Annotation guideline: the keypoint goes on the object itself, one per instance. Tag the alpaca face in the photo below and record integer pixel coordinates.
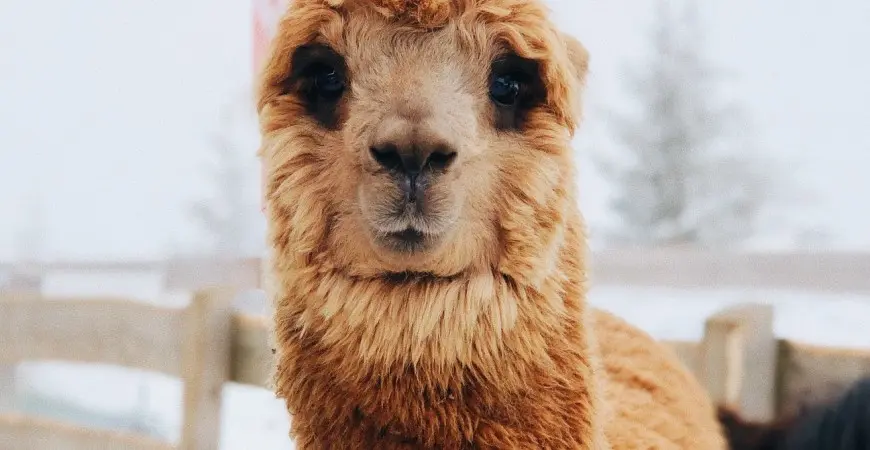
(415, 122)
(418, 122)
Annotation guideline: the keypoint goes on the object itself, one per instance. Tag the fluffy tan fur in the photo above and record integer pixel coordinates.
(483, 340)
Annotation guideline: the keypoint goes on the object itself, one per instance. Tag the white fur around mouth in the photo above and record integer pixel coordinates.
(407, 233)
(409, 240)
(409, 221)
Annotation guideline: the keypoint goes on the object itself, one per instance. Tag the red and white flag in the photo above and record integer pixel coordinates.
(266, 16)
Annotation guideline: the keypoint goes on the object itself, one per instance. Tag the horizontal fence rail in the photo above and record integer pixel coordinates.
(841, 272)
(20, 432)
(111, 331)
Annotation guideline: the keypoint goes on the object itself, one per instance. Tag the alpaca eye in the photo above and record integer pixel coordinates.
(505, 90)
(328, 83)
(515, 89)
(318, 77)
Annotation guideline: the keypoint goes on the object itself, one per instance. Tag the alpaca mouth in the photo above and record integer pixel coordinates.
(409, 235)
(403, 227)
(409, 240)
(406, 229)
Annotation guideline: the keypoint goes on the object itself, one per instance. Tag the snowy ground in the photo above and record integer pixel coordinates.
(252, 418)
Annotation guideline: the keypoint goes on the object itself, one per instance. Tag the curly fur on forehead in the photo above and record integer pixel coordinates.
(430, 14)
(425, 13)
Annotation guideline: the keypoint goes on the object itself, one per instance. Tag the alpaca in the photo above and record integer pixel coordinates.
(427, 270)
(841, 424)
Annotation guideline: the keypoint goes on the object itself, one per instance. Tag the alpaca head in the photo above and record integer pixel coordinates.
(427, 136)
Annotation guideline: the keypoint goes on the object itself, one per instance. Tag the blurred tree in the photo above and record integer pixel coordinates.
(230, 216)
(683, 177)
(30, 237)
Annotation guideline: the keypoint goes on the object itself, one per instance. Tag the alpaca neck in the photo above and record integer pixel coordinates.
(471, 362)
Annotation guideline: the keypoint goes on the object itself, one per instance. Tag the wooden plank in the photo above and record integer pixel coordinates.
(738, 360)
(22, 432)
(843, 272)
(810, 374)
(828, 271)
(805, 374)
(206, 367)
(110, 331)
(8, 386)
(107, 266)
(252, 359)
(193, 274)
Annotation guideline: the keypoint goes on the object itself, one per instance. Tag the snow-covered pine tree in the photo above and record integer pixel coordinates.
(686, 176)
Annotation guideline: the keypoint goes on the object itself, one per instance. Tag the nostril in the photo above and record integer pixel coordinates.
(441, 160)
(387, 156)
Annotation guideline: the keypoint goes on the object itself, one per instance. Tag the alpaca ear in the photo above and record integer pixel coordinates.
(578, 56)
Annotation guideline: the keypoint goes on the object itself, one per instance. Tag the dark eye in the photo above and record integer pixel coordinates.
(505, 90)
(328, 82)
(319, 78)
(515, 88)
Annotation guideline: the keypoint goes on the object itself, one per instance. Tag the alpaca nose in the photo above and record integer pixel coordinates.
(413, 163)
(411, 160)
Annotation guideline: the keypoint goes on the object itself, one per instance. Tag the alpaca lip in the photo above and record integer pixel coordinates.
(409, 240)
(408, 237)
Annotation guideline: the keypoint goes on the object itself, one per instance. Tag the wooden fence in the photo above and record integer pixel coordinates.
(744, 366)
(194, 344)
(207, 344)
(841, 272)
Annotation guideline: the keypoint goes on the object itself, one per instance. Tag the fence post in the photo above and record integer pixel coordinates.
(738, 360)
(8, 391)
(22, 282)
(205, 367)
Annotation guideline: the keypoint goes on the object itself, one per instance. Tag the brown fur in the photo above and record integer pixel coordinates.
(482, 339)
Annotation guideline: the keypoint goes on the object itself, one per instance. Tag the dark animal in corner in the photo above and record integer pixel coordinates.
(842, 424)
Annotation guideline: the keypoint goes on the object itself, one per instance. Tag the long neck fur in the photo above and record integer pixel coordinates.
(471, 362)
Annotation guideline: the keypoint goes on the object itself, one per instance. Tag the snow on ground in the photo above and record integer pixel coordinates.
(253, 418)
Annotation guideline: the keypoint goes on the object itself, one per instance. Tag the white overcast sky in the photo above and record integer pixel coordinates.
(105, 106)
